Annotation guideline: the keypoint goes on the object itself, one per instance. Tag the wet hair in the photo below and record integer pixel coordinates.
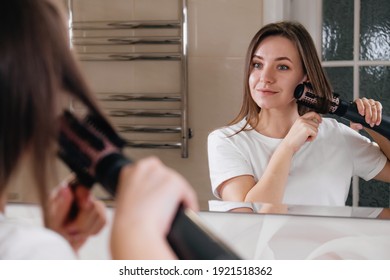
(300, 37)
(37, 69)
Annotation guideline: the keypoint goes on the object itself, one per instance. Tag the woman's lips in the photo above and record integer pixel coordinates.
(266, 92)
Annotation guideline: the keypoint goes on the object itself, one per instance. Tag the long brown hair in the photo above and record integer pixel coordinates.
(36, 68)
(297, 34)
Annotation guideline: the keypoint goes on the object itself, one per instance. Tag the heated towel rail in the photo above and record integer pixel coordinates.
(144, 119)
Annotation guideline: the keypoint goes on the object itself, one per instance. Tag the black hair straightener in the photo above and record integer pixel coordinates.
(188, 237)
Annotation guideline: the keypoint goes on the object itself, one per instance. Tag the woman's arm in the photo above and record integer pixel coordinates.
(372, 111)
(384, 145)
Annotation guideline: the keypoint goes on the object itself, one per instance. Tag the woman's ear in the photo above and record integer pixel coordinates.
(305, 79)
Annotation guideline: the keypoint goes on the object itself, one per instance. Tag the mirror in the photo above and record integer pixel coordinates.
(302, 210)
(219, 32)
(337, 56)
(288, 237)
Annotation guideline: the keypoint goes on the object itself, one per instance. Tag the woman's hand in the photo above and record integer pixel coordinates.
(304, 129)
(89, 220)
(149, 194)
(371, 110)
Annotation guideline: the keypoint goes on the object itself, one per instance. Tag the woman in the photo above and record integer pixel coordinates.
(276, 151)
(38, 76)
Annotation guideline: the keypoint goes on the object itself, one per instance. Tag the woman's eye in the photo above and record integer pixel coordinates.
(283, 67)
(256, 65)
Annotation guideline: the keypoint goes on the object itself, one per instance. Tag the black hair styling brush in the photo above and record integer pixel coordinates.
(93, 151)
(305, 95)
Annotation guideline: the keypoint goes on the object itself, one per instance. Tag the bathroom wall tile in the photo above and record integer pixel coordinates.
(157, 9)
(215, 90)
(222, 27)
(94, 10)
(138, 76)
(215, 86)
(157, 76)
(109, 76)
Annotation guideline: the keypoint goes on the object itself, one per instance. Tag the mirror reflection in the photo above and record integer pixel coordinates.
(337, 45)
(301, 210)
(281, 151)
(217, 43)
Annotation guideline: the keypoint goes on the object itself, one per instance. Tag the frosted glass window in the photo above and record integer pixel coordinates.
(361, 70)
(342, 82)
(373, 194)
(375, 84)
(375, 30)
(337, 30)
(341, 78)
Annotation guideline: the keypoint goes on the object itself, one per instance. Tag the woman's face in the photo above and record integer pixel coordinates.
(276, 71)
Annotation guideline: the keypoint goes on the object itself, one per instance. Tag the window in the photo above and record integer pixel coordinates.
(355, 51)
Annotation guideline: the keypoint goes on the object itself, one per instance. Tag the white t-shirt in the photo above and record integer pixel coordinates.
(320, 172)
(30, 242)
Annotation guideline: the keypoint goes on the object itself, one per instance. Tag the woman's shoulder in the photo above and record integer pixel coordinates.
(330, 122)
(340, 130)
(333, 125)
(23, 241)
(227, 131)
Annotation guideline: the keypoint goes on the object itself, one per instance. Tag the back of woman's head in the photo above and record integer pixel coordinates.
(36, 68)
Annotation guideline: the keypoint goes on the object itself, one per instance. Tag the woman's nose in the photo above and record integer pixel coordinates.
(267, 75)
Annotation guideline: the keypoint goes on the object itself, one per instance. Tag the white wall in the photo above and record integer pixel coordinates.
(219, 34)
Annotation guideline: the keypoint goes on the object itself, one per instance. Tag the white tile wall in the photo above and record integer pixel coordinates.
(91, 10)
(222, 28)
(219, 34)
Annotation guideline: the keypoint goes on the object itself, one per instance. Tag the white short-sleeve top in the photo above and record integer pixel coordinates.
(321, 170)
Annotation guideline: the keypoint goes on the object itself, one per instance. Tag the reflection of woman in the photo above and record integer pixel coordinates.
(276, 151)
(38, 74)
